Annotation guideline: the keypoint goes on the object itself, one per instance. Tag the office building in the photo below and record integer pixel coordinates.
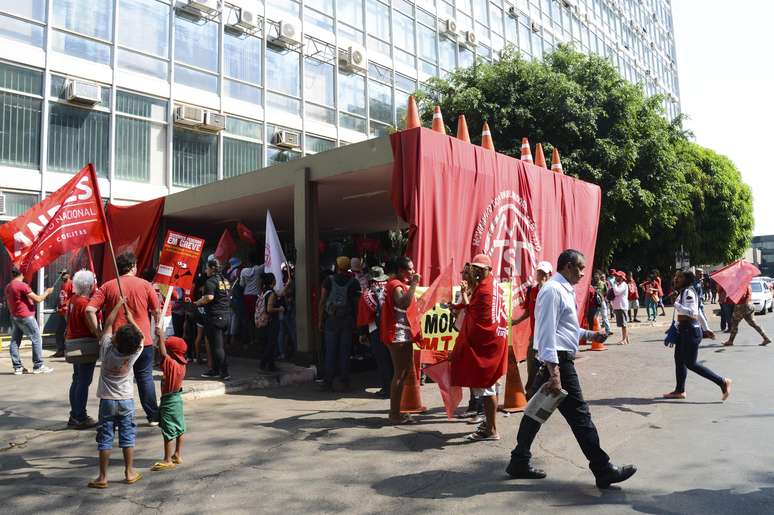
(765, 245)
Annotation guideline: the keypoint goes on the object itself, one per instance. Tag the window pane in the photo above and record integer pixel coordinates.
(404, 32)
(21, 79)
(320, 114)
(319, 81)
(140, 148)
(245, 128)
(325, 6)
(240, 157)
(243, 92)
(195, 158)
(377, 45)
(350, 11)
(352, 122)
(377, 129)
(81, 47)
(196, 42)
(140, 63)
(289, 81)
(139, 105)
(347, 33)
(315, 145)
(35, 9)
(22, 31)
(380, 101)
(17, 203)
(405, 83)
(281, 104)
(153, 17)
(89, 17)
(19, 130)
(378, 16)
(428, 68)
(448, 54)
(76, 137)
(378, 72)
(426, 38)
(466, 58)
(318, 19)
(196, 79)
(242, 57)
(352, 93)
(276, 155)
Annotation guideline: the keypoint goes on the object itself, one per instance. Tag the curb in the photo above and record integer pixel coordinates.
(294, 375)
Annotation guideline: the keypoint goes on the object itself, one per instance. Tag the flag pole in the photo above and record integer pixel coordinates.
(91, 261)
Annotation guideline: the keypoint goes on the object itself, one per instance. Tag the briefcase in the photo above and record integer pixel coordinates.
(82, 350)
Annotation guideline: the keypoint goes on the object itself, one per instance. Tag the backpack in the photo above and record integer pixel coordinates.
(338, 305)
(261, 315)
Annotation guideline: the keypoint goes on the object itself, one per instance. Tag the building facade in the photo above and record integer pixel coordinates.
(765, 245)
(163, 95)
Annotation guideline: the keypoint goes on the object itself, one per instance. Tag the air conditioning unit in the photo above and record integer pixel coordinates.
(288, 33)
(189, 115)
(471, 39)
(449, 28)
(287, 139)
(354, 59)
(570, 3)
(83, 92)
(246, 21)
(2, 204)
(535, 26)
(213, 121)
(512, 12)
(199, 7)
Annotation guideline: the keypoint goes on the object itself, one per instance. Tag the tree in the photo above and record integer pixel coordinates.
(608, 132)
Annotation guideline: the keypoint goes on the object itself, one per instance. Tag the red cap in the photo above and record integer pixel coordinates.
(482, 261)
(176, 347)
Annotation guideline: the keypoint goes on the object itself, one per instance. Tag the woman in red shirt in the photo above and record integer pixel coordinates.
(400, 328)
(77, 327)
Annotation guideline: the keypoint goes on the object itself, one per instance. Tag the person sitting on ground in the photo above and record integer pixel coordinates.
(118, 354)
(480, 355)
(171, 418)
(621, 305)
(77, 327)
(21, 305)
(744, 310)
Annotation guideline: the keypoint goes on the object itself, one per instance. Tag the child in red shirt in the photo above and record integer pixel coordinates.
(171, 418)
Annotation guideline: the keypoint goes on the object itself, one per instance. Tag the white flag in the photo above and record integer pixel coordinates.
(273, 257)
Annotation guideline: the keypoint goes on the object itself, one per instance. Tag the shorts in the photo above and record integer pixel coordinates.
(620, 317)
(485, 392)
(171, 418)
(634, 304)
(116, 415)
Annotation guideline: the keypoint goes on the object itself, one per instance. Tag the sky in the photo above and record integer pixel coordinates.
(725, 62)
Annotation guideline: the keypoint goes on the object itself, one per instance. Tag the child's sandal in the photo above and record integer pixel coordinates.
(159, 466)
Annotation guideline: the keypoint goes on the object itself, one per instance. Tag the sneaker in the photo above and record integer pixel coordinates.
(86, 423)
(225, 377)
(42, 369)
(210, 374)
(19, 371)
(58, 354)
(153, 423)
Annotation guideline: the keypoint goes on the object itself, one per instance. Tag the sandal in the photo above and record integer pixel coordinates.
(404, 420)
(159, 466)
(176, 460)
(482, 436)
(98, 485)
(136, 478)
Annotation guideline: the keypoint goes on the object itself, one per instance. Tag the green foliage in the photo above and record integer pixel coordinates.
(659, 191)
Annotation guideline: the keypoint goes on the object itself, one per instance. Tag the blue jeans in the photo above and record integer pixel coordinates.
(143, 376)
(338, 346)
(650, 308)
(83, 373)
(116, 415)
(27, 326)
(604, 317)
(287, 328)
(687, 354)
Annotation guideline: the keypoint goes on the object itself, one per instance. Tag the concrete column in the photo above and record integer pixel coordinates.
(306, 234)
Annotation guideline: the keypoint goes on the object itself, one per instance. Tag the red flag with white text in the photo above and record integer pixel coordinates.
(71, 218)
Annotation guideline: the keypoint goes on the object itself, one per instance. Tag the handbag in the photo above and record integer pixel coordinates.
(82, 350)
(672, 335)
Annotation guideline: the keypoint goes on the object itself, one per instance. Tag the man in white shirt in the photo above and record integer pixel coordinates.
(621, 304)
(556, 335)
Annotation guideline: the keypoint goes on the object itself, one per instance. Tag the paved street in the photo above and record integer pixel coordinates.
(294, 450)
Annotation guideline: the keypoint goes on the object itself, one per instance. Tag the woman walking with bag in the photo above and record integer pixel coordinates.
(689, 335)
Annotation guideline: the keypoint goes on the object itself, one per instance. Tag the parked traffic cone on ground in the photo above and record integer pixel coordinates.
(597, 346)
(486, 137)
(411, 400)
(556, 165)
(540, 158)
(526, 153)
(514, 399)
(412, 114)
(462, 129)
(438, 121)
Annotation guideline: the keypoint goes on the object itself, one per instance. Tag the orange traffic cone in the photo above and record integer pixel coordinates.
(462, 129)
(486, 137)
(411, 400)
(526, 153)
(597, 346)
(412, 114)
(540, 158)
(514, 399)
(438, 121)
(556, 165)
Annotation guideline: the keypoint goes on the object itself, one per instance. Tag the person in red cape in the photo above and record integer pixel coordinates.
(480, 356)
(399, 328)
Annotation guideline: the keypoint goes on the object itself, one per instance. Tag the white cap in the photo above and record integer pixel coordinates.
(545, 266)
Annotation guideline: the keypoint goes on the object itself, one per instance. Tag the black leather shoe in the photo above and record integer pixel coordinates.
(615, 475)
(524, 471)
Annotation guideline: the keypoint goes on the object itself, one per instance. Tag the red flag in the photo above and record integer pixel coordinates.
(245, 234)
(226, 247)
(440, 373)
(71, 218)
(735, 278)
(438, 292)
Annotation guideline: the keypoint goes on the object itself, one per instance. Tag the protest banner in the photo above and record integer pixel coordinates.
(179, 260)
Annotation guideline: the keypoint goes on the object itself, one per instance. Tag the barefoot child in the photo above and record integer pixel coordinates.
(116, 395)
(171, 421)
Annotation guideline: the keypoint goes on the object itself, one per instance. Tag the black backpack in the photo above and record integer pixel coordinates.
(338, 304)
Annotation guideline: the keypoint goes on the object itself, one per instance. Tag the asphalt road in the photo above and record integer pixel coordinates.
(294, 450)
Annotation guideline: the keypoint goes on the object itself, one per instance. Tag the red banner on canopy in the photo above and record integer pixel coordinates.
(460, 200)
(69, 219)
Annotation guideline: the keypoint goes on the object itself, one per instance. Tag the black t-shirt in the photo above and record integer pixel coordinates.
(219, 287)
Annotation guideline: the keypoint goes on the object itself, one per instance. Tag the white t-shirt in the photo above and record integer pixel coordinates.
(116, 377)
(621, 300)
(249, 279)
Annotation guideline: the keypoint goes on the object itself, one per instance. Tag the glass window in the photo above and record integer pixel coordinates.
(378, 16)
(34, 9)
(354, 123)
(377, 129)
(320, 114)
(377, 45)
(405, 83)
(464, 5)
(481, 11)
(276, 155)
(466, 58)
(139, 105)
(83, 48)
(380, 101)
(496, 17)
(319, 81)
(195, 158)
(404, 32)
(351, 12)
(90, 17)
(318, 19)
(280, 103)
(242, 91)
(347, 33)
(17, 203)
(325, 6)
(19, 130)
(76, 137)
(379, 72)
(140, 148)
(142, 64)
(21, 79)
(240, 157)
(448, 54)
(289, 80)
(426, 38)
(352, 93)
(244, 128)
(315, 145)
(196, 42)
(196, 79)
(426, 18)
(18, 30)
(242, 57)
(153, 17)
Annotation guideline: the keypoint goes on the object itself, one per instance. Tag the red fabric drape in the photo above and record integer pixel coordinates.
(735, 278)
(133, 228)
(460, 199)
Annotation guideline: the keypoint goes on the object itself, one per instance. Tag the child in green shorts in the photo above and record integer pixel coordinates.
(171, 418)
